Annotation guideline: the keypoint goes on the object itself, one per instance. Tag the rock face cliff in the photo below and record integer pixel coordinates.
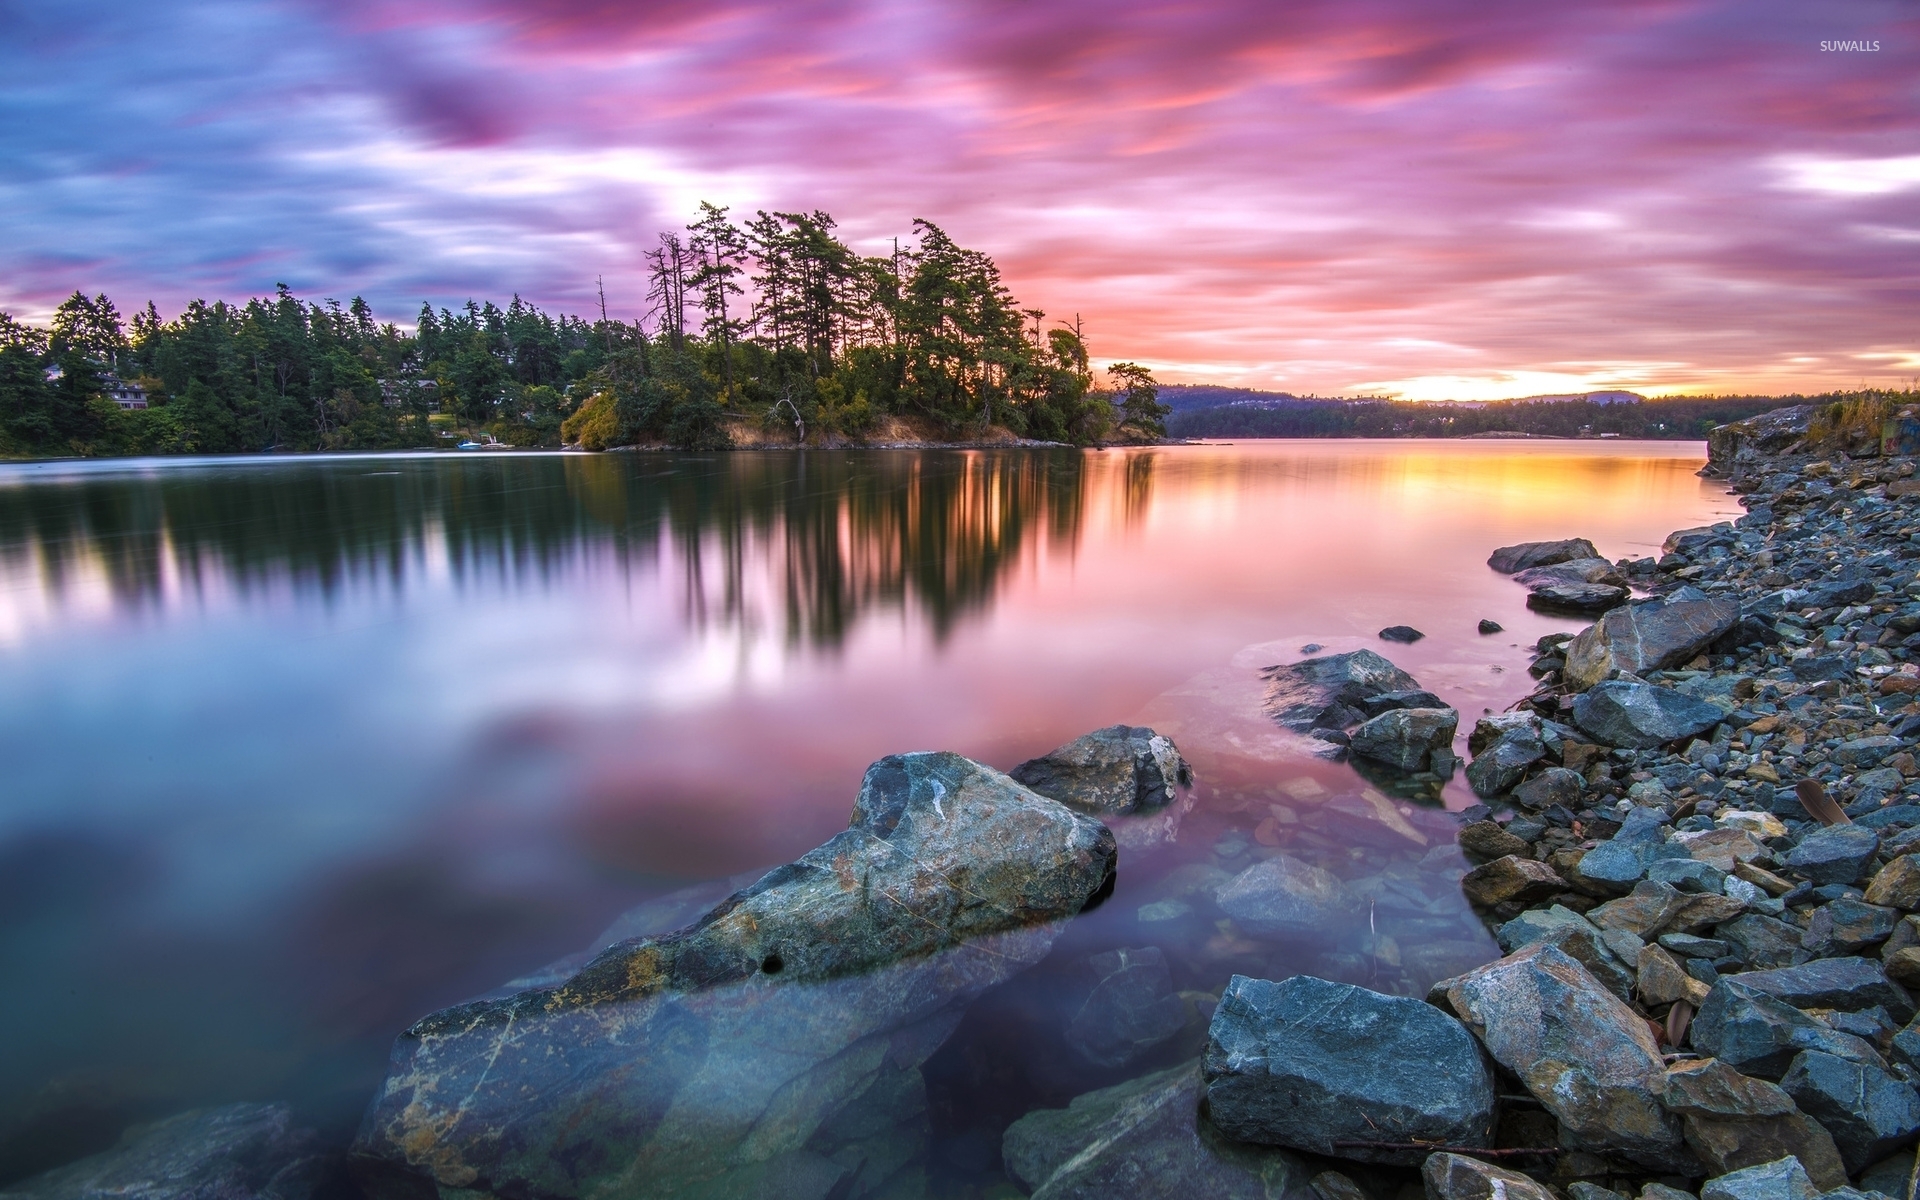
(771, 1047)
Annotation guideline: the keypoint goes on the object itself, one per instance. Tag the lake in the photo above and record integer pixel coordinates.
(298, 750)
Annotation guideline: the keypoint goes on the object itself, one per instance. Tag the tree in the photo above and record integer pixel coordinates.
(1137, 401)
(719, 249)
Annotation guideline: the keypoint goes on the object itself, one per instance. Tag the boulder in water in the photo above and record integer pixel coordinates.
(1145, 1137)
(774, 1043)
(1323, 693)
(236, 1152)
(1119, 769)
(1131, 1010)
(1510, 559)
(1405, 737)
(1285, 896)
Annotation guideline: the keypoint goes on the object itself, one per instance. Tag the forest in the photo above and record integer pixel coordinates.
(771, 326)
(1212, 413)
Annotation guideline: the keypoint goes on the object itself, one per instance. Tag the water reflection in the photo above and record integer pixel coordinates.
(817, 539)
(300, 750)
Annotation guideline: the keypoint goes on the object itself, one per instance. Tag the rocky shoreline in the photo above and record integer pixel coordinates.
(1698, 851)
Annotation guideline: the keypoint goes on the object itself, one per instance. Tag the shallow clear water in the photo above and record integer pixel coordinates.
(298, 750)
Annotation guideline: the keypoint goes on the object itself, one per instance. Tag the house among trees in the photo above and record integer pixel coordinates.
(129, 396)
(397, 393)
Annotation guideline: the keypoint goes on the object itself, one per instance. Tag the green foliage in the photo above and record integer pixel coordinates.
(930, 330)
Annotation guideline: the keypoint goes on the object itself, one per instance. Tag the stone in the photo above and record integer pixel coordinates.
(235, 1152)
(1574, 936)
(1555, 785)
(1456, 1177)
(1722, 849)
(1687, 874)
(1869, 1113)
(1373, 706)
(800, 1007)
(1406, 635)
(1574, 570)
(1576, 597)
(1866, 751)
(1487, 627)
(1835, 854)
(1744, 441)
(1145, 1137)
(1653, 908)
(1903, 966)
(1591, 1061)
(1650, 636)
(1764, 942)
(1846, 984)
(1318, 693)
(1732, 1121)
(1405, 737)
(1662, 980)
(1848, 927)
(1494, 726)
(1119, 769)
(1509, 560)
(1307, 1064)
(1758, 1035)
(1759, 824)
(1285, 896)
(1501, 761)
(1689, 946)
(1511, 878)
(1782, 1179)
(1896, 885)
(1640, 716)
(1332, 1185)
(1891, 1176)
(1131, 1010)
(1485, 840)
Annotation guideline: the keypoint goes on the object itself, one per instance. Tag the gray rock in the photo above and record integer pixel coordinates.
(1687, 874)
(1494, 726)
(1132, 1009)
(1502, 754)
(1896, 885)
(1285, 896)
(1574, 570)
(1758, 1035)
(1404, 634)
(1511, 559)
(1585, 1056)
(1574, 936)
(1487, 626)
(237, 1152)
(1523, 880)
(1405, 737)
(1307, 1064)
(1555, 785)
(1849, 984)
(1891, 1176)
(1733, 1122)
(1323, 693)
(1741, 442)
(1651, 636)
(1847, 927)
(1763, 941)
(1483, 841)
(739, 1050)
(1145, 1137)
(1457, 1177)
(1119, 769)
(1640, 716)
(1782, 1179)
(1869, 1113)
(1866, 751)
(1835, 854)
(1576, 597)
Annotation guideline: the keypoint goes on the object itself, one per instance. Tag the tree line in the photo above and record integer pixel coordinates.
(1277, 416)
(771, 322)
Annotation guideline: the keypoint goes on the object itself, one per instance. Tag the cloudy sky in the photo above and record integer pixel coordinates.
(1442, 198)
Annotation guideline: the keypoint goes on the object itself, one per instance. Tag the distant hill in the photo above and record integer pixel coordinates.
(1205, 411)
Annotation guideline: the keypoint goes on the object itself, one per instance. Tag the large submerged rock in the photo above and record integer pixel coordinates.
(773, 1044)
(1327, 692)
(237, 1152)
(1119, 769)
(1650, 636)
(1310, 1064)
(1589, 1059)
(1145, 1137)
(1286, 897)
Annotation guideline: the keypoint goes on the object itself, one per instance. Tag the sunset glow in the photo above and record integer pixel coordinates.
(1437, 200)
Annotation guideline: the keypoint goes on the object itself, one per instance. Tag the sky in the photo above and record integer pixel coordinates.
(1465, 199)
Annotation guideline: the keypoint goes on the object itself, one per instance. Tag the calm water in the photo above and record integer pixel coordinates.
(298, 750)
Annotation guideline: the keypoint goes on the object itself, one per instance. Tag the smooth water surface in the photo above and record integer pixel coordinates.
(298, 750)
